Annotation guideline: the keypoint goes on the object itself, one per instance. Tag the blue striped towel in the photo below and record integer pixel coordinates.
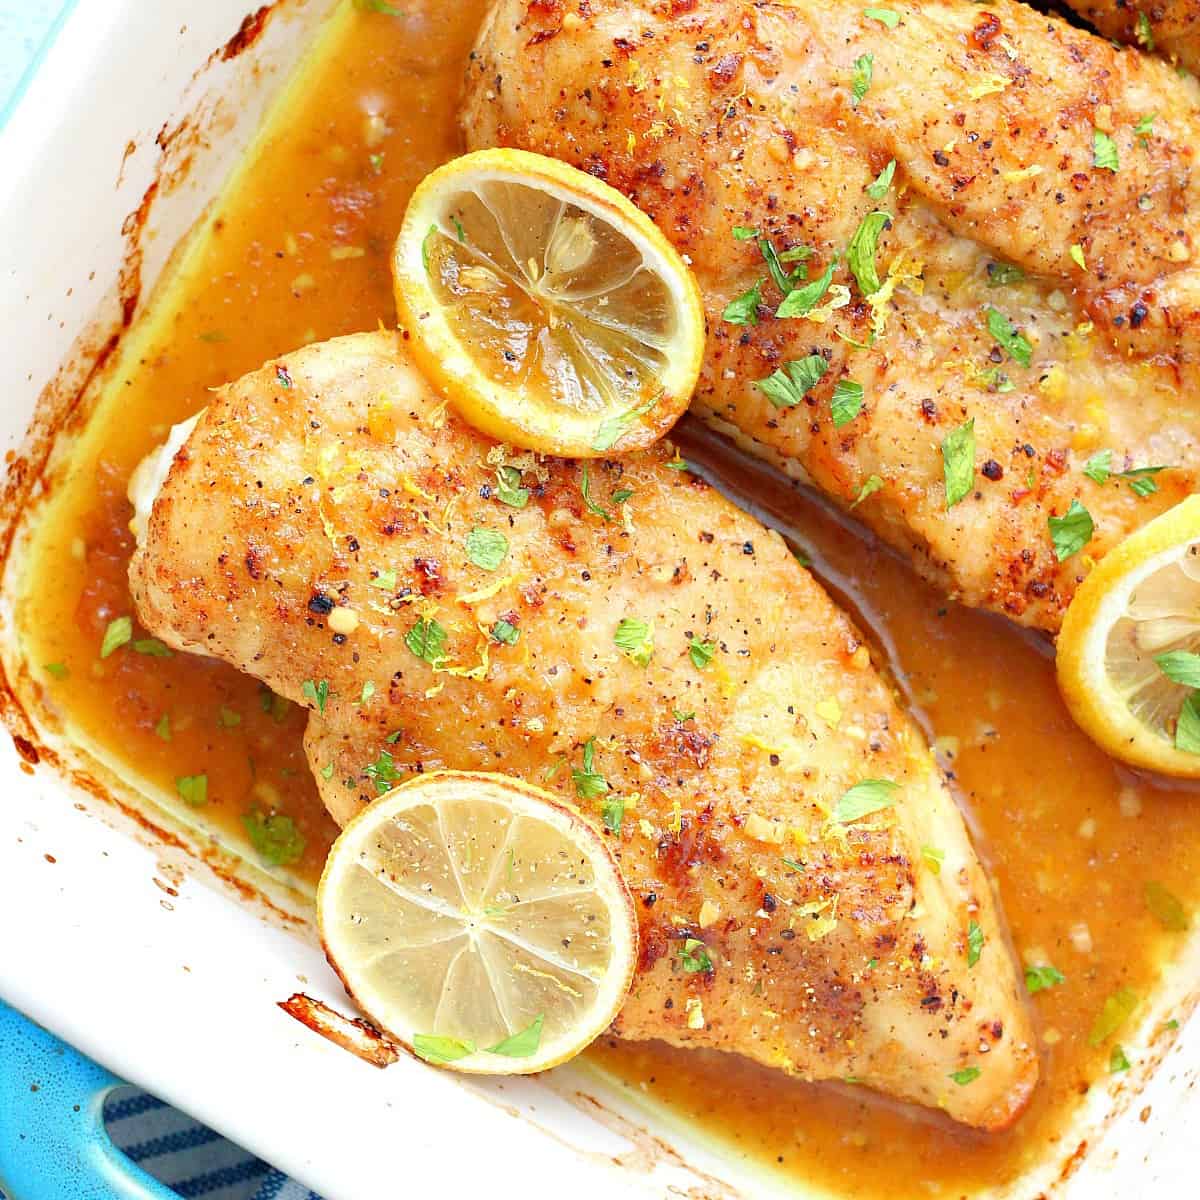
(189, 1157)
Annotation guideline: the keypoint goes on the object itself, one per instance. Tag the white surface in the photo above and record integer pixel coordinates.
(179, 994)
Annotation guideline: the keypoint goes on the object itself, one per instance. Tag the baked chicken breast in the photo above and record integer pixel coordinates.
(983, 222)
(620, 633)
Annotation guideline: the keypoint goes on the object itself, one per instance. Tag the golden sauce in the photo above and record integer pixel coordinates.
(298, 251)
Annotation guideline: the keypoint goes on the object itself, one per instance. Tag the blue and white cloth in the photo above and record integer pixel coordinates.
(189, 1157)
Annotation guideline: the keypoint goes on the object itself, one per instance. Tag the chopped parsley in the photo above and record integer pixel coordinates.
(783, 280)
(700, 653)
(327, 771)
(508, 487)
(974, 943)
(1180, 666)
(382, 772)
(368, 690)
(847, 402)
(57, 669)
(1144, 33)
(1076, 253)
(589, 783)
(585, 490)
(879, 188)
(612, 813)
(152, 648)
(863, 800)
(486, 548)
(1145, 127)
(192, 789)
(693, 958)
(793, 865)
(436, 1049)
(965, 1075)
(1104, 152)
(635, 639)
(274, 836)
(281, 374)
(743, 309)
(683, 717)
(1141, 480)
(522, 1044)
(786, 387)
(505, 632)
(621, 495)
(1014, 344)
(275, 706)
(228, 718)
(958, 462)
(118, 634)
(933, 858)
(1041, 978)
(802, 300)
(1167, 908)
(887, 17)
(744, 233)
(860, 81)
(376, 161)
(1118, 1008)
(873, 484)
(316, 693)
(1118, 1060)
(1072, 531)
(427, 640)
(1098, 468)
(1187, 729)
(611, 428)
(860, 254)
(163, 728)
(1001, 274)
(384, 580)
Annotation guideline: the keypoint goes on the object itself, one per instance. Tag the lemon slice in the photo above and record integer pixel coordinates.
(1123, 665)
(479, 921)
(546, 307)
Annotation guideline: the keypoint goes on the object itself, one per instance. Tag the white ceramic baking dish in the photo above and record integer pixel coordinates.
(137, 951)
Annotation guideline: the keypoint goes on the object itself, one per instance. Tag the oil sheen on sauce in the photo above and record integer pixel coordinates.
(297, 251)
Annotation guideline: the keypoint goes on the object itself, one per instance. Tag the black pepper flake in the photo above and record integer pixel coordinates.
(1137, 314)
(339, 639)
(992, 470)
(747, 547)
(940, 157)
(320, 604)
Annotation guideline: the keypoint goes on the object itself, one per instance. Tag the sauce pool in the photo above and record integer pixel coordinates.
(297, 251)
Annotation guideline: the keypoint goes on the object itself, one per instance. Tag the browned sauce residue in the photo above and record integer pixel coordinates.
(299, 253)
(358, 1036)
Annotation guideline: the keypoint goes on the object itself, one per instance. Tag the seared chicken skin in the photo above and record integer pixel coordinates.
(318, 530)
(1167, 27)
(1033, 273)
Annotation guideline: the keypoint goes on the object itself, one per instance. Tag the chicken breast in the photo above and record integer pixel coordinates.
(995, 215)
(620, 633)
(1168, 27)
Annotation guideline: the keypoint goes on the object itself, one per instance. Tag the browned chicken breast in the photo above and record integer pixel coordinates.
(983, 222)
(621, 634)
(1167, 27)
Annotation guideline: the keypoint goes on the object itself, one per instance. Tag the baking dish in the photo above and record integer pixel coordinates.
(132, 949)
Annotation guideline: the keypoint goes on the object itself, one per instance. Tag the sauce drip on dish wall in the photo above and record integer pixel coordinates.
(297, 251)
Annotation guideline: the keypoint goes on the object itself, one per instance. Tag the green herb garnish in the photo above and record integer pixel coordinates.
(846, 403)
(192, 789)
(786, 387)
(486, 548)
(743, 309)
(508, 487)
(1104, 152)
(1118, 1008)
(1040, 978)
(860, 254)
(118, 633)
(860, 81)
(505, 632)
(1014, 344)
(316, 693)
(436, 1049)
(864, 799)
(974, 943)
(522, 1044)
(589, 783)
(887, 17)
(635, 639)
(1167, 908)
(879, 188)
(965, 1076)
(1072, 531)
(700, 653)
(693, 958)
(427, 640)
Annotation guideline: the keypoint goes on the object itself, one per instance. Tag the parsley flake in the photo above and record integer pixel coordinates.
(887, 17)
(700, 653)
(1099, 467)
(933, 858)
(274, 836)
(58, 670)
(802, 300)
(382, 772)
(589, 783)
(860, 81)
(192, 789)
(585, 490)
(693, 958)
(974, 943)
(883, 181)
(1118, 1008)
(427, 640)
(317, 693)
(846, 403)
(1104, 152)
(635, 639)
(965, 1076)
(436, 1049)
(118, 634)
(486, 548)
(1014, 344)
(1144, 33)
(1187, 728)
(1180, 666)
(743, 309)
(612, 813)
(1041, 978)
(509, 490)
(873, 484)
(505, 632)
(1072, 531)
(860, 254)
(863, 800)
(522, 1044)
(611, 428)
(163, 728)
(1167, 908)
(1145, 127)
(1117, 1060)
(1001, 274)
(152, 648)
(786, 387)
(958, 462)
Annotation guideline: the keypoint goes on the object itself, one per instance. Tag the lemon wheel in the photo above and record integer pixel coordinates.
(549, 310)
(480, 922)
(1129, 652)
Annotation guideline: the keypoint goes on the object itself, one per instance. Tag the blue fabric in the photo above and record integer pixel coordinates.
(189, 1157)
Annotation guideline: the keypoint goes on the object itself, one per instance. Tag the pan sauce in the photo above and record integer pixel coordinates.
(297, 250)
